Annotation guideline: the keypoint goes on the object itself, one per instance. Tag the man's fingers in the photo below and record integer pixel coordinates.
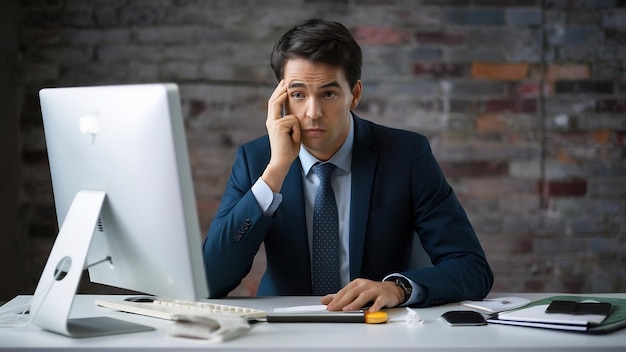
(378, 304)
(359, 293)
(360, 301)
(347, 296)
(295, 132)
(277, 101)
(327, 299)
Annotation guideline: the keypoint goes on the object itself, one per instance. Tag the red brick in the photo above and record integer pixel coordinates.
(565, 188)
(523, 245)
(532, 90)
(567, 72)
(565, 157)
(601, 136)
(381, 35)
(196, 107)
(474, 168)
(490, 123)
(528, 90)
(500, 71)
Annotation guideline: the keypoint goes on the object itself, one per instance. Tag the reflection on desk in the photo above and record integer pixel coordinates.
(396, 335)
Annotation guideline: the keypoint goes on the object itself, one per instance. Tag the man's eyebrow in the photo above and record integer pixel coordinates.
(297, 85)
(332, 84)
(302, 85)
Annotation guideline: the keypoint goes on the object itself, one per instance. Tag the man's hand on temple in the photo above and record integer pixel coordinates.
(284, 134)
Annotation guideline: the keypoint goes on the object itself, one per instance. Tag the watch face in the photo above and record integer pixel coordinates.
(404, 283)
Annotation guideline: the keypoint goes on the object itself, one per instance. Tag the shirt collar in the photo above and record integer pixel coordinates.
(342, 158)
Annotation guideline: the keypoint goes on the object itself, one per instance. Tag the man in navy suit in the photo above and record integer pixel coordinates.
(388, 188)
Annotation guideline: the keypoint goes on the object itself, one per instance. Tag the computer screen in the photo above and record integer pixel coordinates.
(124, 198)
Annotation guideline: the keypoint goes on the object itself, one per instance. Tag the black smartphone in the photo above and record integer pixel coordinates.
(464, 318)
(562, 307)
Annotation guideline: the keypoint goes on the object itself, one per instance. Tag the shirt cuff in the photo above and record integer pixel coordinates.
(268, 201)
(418, 293)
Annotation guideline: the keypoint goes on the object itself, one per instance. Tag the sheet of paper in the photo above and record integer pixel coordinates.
(538, 314)
(301, 309)
(499, 304)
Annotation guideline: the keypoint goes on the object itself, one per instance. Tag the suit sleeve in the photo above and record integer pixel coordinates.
(460, 269)
(237, 230)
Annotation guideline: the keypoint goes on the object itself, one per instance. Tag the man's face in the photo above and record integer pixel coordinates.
(321, 98)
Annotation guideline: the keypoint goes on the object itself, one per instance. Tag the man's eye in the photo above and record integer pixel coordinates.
(329, 94)
(297, 95)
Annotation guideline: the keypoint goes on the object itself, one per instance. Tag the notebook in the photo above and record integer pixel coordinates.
(534, 315)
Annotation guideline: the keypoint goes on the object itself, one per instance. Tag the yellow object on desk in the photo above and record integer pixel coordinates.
(376, 317)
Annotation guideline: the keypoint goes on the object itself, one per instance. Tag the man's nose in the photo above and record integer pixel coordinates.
(313, 109)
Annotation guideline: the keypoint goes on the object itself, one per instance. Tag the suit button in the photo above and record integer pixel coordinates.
(242, 230)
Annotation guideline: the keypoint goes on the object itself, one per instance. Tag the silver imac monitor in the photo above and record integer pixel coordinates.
(124, 200)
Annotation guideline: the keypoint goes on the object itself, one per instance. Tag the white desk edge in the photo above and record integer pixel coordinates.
(395, 335)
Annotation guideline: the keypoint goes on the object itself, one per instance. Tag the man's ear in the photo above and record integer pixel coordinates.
(357, 90)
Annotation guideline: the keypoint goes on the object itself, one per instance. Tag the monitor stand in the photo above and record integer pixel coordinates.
(57, 286)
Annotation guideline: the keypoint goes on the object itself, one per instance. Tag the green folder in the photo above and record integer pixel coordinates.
(616, 320)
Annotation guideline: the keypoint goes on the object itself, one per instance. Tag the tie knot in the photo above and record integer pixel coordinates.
(323, 171)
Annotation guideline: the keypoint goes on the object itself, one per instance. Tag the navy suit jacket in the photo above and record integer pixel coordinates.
(398, 195)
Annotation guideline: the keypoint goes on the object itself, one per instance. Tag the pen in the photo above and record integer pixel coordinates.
(329, 317)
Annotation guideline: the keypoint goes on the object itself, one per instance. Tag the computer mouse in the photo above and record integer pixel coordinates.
(464, 318)
(140, 299)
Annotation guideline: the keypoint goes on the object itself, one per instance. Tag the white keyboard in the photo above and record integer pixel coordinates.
(169, 308)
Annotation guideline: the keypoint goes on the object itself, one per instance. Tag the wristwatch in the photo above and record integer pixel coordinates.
(404, 284)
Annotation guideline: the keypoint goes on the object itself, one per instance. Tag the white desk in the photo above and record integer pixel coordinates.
(434, 334)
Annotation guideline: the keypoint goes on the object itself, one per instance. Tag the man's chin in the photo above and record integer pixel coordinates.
(316, 150)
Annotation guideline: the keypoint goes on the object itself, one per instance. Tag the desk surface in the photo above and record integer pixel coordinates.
(395, 335)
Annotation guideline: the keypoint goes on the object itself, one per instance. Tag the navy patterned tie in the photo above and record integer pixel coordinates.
(325, 234)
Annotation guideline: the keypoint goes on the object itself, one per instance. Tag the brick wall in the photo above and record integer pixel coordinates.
(524, 103)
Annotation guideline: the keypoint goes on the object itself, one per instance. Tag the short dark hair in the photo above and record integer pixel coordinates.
(319, 41)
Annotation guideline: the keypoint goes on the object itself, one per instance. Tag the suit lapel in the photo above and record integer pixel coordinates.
(363, 170)
(364, 162)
